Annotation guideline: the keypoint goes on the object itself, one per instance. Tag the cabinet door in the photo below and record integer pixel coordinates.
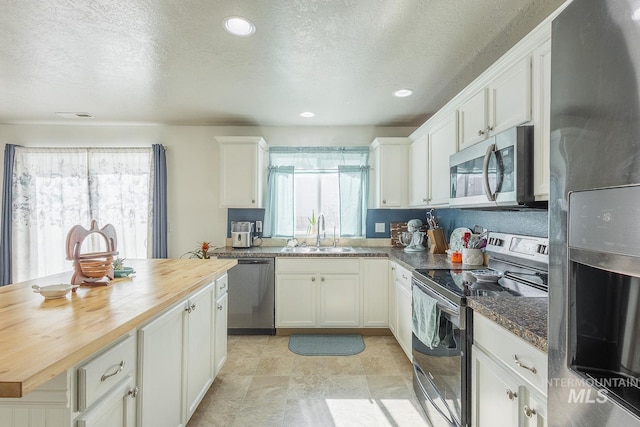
(541, 83)
(511, 97)
(443, 143)
(160, 345)
(339, 299)
(116, 409)
(494, 393)
(473, 119)
(199, 345)
(419, 167)
(375, 285)
(534, 413)
(405, 322)
(222, 307)
(241, 170)
(295, 300)
(393, 310)
(392, 161)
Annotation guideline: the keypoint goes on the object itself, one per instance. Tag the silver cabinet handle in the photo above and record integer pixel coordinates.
(134, 392)
(384, 202)
(190, 308)
(489, 128)
(253, 200)
(193, 307)
(116, 372)
(511, 394)
(529, 412)
(322, 279)
(480, 132)
(313, 279)
(518, 363)
(220, 307)
(424, 199)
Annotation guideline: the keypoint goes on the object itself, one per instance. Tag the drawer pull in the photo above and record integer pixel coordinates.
(532, 368)
(511, 394)
(134, 392)
(116, 372)
(529, 412)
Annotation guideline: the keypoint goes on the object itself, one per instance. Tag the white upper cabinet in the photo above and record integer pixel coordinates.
(390, 159)
(242, 171)
(429, 157)
(541, 79)
(503, 103)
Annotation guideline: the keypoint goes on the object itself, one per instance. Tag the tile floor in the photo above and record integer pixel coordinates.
(264, 384)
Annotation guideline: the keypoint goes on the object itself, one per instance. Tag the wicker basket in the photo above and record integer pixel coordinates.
(96, 268)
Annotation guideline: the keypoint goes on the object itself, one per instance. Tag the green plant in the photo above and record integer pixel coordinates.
(312, 221)
(202, 252)
(118, 263)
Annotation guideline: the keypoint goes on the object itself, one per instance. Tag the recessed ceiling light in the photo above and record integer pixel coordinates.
(239, 26)
(307, 114)
(636, 15)
(74, 115)
(402, 93)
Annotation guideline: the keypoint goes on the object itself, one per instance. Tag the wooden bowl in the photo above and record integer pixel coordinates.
(96, 268)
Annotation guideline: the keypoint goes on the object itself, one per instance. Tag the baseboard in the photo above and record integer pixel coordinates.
(362, 331)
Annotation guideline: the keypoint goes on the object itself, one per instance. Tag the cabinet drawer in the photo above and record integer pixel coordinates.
(222, 283)
(402, 276)
(308, 265)
(506, 347)
(99, 375)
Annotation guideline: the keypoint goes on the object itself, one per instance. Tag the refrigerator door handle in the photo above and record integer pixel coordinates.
(485, 173)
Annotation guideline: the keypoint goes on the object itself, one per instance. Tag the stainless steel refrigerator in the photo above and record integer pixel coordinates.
(594, 215)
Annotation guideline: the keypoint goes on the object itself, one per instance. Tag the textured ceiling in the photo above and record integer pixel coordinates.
(165, 61)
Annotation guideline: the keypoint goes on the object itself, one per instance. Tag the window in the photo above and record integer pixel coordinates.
(308, 181)
(55, 189)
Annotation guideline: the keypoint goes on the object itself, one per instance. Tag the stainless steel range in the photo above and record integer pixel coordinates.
(518, 266)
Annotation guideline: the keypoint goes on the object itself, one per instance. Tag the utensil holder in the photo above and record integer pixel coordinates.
(472, 256)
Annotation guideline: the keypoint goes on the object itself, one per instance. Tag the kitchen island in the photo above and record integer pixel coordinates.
(43, 340)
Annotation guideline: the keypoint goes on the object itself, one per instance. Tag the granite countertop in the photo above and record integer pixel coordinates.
(525, 317)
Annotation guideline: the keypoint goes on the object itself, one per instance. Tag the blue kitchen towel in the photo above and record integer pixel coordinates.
(426, 318)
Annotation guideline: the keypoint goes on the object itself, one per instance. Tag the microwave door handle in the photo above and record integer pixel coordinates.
(485, 173)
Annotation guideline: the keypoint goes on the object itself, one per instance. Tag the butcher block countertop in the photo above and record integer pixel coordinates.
(40, 339)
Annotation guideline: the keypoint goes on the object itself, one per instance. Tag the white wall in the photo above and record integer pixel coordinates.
(192, 162)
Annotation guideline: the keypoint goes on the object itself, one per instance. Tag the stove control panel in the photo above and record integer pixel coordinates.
(518, 246)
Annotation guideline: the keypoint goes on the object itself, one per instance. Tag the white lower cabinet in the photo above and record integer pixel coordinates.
(503, 392)
(116, 409)
(375, 298)
(220, 323)
(403, 307)
(177, 360)
(339, 300)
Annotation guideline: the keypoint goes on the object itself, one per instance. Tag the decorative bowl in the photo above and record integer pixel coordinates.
(96, 268)
(53, 291)
(123, 272)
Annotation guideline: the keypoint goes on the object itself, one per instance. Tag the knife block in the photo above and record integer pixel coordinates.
(437, 240)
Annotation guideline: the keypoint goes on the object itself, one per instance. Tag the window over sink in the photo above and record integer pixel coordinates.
(304, 182)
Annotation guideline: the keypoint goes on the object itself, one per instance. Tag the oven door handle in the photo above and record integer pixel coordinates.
(442, 304)
(450, 417)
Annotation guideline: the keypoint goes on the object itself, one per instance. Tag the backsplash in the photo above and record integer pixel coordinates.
(387, 216)
(531, 222)
(236, 214)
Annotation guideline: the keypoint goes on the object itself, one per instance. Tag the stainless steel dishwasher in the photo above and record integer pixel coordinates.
(252, 297)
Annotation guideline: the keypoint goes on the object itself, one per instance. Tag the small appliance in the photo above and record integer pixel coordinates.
(412, 238)
(242, 234)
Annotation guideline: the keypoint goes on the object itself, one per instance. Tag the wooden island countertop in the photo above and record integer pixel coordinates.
(40, 339)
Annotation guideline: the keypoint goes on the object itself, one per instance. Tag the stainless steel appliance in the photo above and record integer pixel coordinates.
(252, 297)
(497, 172)
(242, 234)
(593, 215)
(441, 380)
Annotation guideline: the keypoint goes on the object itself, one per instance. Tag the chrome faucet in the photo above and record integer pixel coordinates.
(321, 227)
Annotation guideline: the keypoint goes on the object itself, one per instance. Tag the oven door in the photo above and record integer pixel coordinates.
(439, 375)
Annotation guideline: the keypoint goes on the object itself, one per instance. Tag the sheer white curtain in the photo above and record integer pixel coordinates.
(57, 188)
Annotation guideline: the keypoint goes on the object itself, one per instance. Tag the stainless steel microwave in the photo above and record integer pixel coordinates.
(497, 172)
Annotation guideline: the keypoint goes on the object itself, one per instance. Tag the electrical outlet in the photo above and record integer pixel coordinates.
(258, 226)
(379, 227)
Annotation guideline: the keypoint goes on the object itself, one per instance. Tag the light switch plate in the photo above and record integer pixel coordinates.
(379, 227)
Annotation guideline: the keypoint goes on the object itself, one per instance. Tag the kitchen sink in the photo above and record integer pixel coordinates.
(316, 249)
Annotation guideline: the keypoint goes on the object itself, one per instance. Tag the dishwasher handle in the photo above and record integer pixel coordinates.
(255, 261)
